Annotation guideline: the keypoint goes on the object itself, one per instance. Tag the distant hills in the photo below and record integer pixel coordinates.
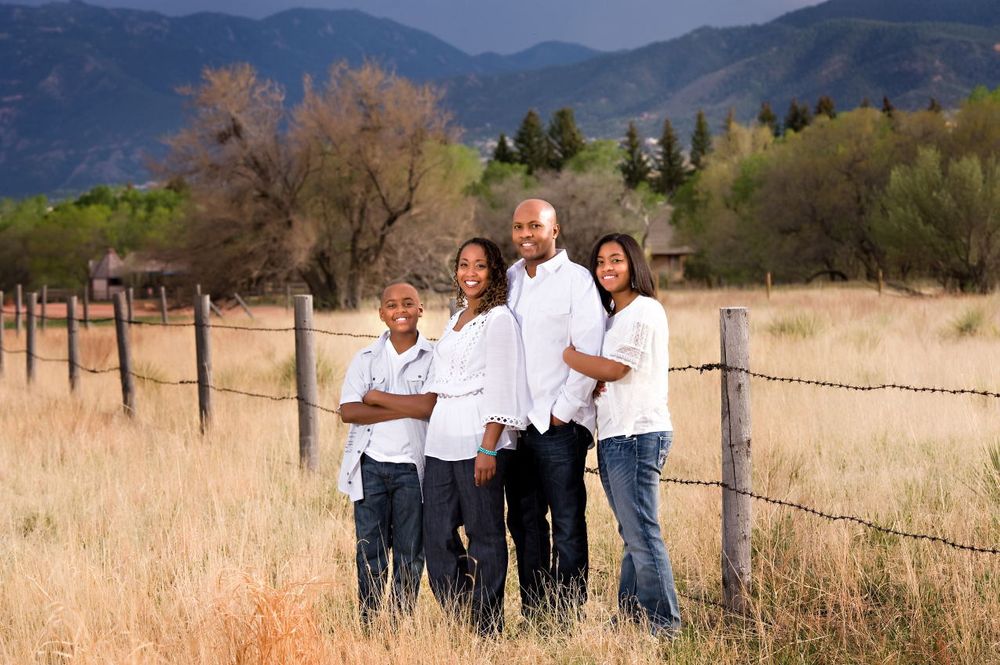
(86, 92)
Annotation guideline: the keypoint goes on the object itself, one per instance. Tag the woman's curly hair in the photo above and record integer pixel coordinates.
(496, 269)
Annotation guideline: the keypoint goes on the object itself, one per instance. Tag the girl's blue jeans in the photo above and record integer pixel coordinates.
(630, 472)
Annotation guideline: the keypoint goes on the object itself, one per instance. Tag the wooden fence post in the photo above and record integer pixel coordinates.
(243, 304)
(73, 341)
(767, 281)
(130, 298)
(86, 307)
(1, 334)
(45, 306)
(18, 307)
(30, 353)
(288, 297)
(163, 304)
(881, 282)
(203, 353)
(305, 382)
(124, 354)
(736, 508)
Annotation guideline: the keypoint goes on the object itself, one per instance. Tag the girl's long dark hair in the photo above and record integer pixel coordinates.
(638, 269)
(496, 268)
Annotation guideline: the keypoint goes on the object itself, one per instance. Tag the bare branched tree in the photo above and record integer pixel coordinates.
(377, 140)
(246, 179)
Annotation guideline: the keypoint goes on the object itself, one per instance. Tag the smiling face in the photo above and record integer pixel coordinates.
(473, 273)
(534, 230)
(611, 269)
(400, 308)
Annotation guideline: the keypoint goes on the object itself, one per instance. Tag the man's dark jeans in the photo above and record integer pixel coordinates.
(546, 475)
(473, 579)
(388, 518)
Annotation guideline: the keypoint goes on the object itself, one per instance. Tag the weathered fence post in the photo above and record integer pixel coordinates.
(288, 297)
(767, 282)
(203, 354)
(130, 298)
(30, 352)
(86, 307)
(736, 508)
(305, 382)
(243, 304)
(124, 354)
(163, 304)
(73, 341)
(18, 307)
(881, 282)
(45, 306)
(215, 309)
(1, 334)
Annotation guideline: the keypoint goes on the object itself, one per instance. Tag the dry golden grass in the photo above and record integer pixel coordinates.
(142, 541)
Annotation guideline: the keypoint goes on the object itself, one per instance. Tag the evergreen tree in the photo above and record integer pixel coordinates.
(635, 167)
(670, 162)
(503, 152)
(565, 139)
(825, 106)
(701, 141)
(934, 106)
(766, 118)
(887, 107)
(531, 144)
(798, 117)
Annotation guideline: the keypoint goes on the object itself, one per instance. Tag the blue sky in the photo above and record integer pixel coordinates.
(506, 26)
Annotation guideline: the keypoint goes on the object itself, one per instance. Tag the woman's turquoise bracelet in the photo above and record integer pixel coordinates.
(491, 453)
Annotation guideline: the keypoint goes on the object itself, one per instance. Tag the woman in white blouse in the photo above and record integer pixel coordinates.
(633, 425)
(478, 375)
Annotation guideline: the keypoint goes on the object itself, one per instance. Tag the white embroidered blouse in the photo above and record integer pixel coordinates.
(636, 404)
(478, 376)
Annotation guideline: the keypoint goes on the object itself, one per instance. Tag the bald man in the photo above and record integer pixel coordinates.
(556, 304)
(383, 460)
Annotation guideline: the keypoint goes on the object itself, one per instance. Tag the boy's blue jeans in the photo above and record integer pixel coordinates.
(389, 517)
(630, 472)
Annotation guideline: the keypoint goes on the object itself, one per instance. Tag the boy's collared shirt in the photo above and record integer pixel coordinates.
(559, 306)
(369, 370)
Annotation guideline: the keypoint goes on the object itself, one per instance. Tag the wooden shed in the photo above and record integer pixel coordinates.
(666, 257)
(107, 276)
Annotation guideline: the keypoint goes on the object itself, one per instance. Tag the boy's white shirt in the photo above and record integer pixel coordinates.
(368, 371)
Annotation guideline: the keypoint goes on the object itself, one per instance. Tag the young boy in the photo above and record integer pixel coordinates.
(384, 455)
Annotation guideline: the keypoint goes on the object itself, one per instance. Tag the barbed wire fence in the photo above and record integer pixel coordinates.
(735, 374)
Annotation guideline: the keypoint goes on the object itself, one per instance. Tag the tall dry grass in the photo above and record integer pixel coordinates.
(142, 541)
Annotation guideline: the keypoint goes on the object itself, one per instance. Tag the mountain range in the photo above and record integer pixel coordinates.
(86, 93)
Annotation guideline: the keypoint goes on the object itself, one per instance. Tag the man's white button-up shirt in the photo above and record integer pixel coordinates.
(557, 307)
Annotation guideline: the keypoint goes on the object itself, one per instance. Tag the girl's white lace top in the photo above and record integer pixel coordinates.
(637, 404)
(478, 376)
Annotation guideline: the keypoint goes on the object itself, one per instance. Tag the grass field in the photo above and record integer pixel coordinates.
(142, 541)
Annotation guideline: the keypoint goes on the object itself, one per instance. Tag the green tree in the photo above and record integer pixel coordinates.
(945, 216)
(825, 106)
(701, 141)
(887, 106)
(635, 166)
(531, 143)
(503, 152)
(798, 116)
(767, 118)
(670, 162)
(565, 138)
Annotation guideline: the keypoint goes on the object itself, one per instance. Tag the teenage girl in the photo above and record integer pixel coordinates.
(633, 425)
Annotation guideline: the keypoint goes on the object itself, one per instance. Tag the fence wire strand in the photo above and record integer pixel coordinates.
(833, 517)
